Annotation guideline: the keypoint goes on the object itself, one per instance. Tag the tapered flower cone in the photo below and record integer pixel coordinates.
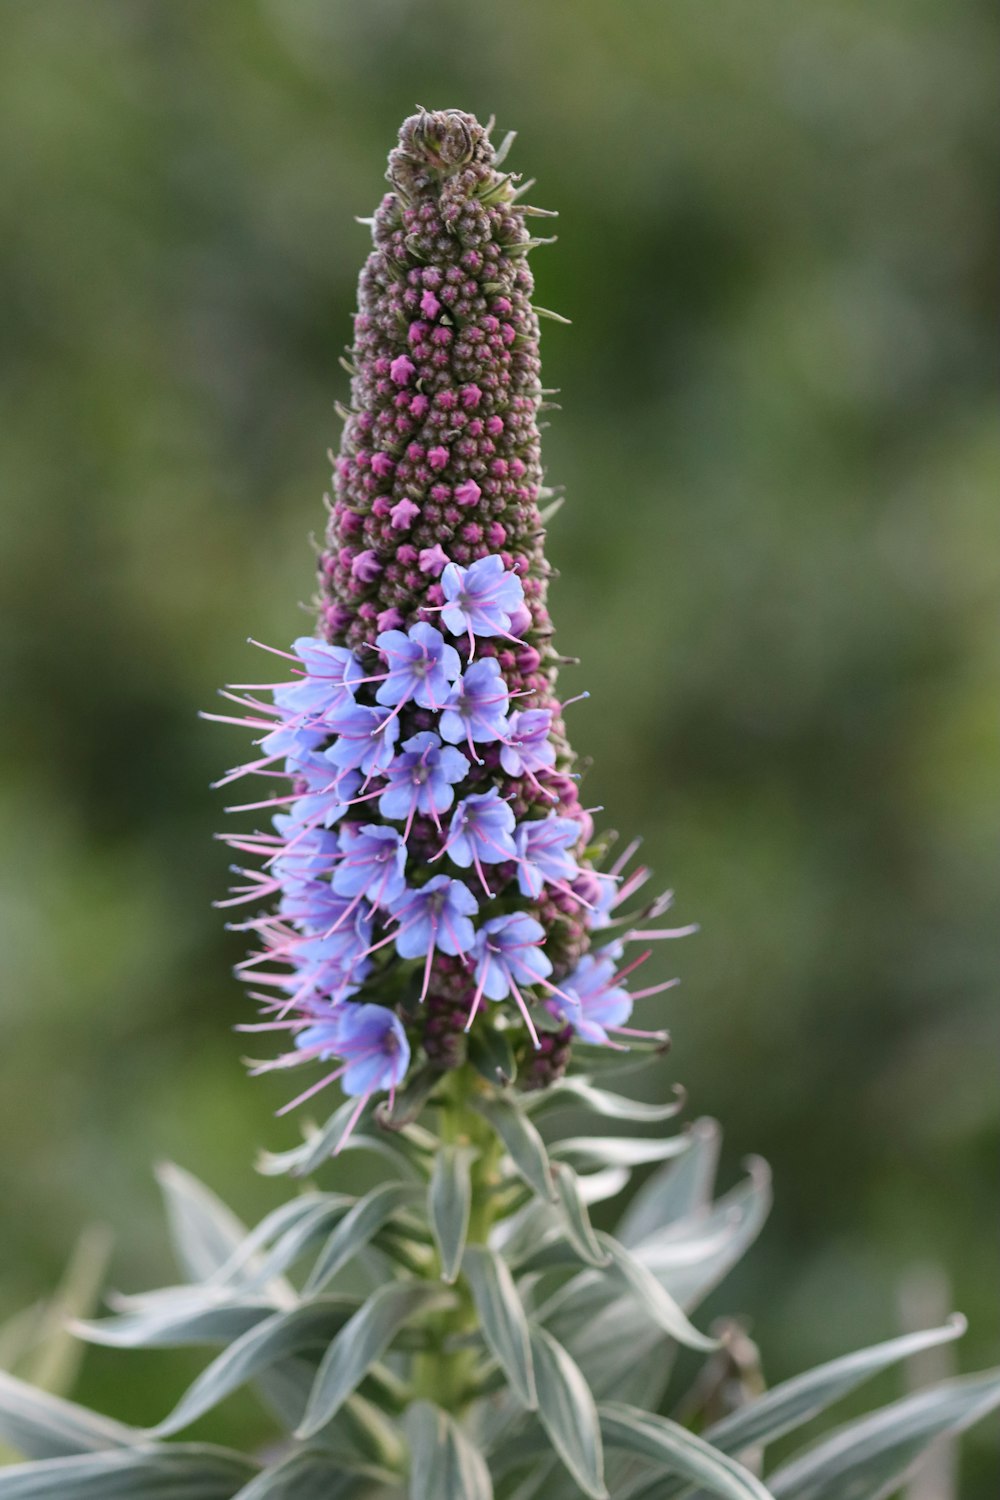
(433, 857)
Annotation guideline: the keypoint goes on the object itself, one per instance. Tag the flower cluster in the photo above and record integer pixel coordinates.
(432, 860)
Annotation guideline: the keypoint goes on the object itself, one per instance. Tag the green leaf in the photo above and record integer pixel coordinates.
(590, 1152)
(360, 1342)
(278, 1336)
(567, 1411)
(444, 1464)
(357, 1229)
(796, 1401)
(43, 1426)
(449, 1202)
(655, 1301)
(191, 1325)
(491, 1054)
(575, 1221)
(869, 1459)
(676, 1451)
(191, 1471)
(502, 1319)
(683, 1188)
(203, 1230)
(409, 1100)
(524, 1145)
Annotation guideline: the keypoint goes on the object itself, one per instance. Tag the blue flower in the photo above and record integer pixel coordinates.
(476, 707)
(365, 738)
(437, 915)
(420, 667)
(372, 1042)
(590, 1001)
(481, 598)
(508, 954)
(543, 847)
(371, 1045)
(526, 745)
(480, 833)
(372, 862)
(331, 675)
(421, 779)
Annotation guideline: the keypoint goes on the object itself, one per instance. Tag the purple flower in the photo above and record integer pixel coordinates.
(372, 862)
(365, 739)
(436, 916)
(420, 667)
(422, 779)
(508, 954)
(476, 707)
(543, 847)
(590, 1001)
(480, 834)
(526, 745)
(480, 597)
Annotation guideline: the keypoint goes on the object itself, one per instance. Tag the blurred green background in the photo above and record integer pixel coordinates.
(779, 563)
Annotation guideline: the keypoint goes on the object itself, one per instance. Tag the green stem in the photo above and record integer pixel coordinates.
(446, 1375)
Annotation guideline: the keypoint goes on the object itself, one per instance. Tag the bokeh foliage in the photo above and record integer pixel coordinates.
(779, 563)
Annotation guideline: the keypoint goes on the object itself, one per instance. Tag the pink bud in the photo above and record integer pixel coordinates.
(402, 369)
(403, 514)
(433, 560)
(468, 492)
(438, 458)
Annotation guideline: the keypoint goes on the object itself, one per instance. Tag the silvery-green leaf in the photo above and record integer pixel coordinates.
(587, 1153)
(38, 1425)
(675, 1451)
(296, 1240)
(444, 1464)
(567, 1411)
(731, 1226)
(282, 1334)
(185, 1471)
(869, 1459)
(655, 1301)
(598, 1187)
(321, 1144)
(524, 1145)
(502, 1319)
(575, 1221)
(362, 1341)
(311, 1475)
(683, 1188)
(796, 1401)
(578, 1091)
(357, 1229)
(245, 1258)
(449, 1202)
(188, 1327)
(203, 1230)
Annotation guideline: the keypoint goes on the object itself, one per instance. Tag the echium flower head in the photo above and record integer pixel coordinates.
(431, 869)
